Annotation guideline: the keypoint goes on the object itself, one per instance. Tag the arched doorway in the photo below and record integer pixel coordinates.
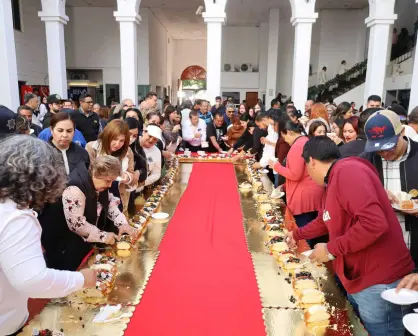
(192, 83)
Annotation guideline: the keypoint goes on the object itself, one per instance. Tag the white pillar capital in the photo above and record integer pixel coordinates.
(127, 17)
(214, 17)
(128, 6)
(388, 20)
(51, 17)
(306, 19)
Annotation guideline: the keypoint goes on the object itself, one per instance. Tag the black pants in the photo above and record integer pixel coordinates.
(304, 219)
(193, 149)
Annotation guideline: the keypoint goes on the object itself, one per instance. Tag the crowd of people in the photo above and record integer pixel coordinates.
(70, 177)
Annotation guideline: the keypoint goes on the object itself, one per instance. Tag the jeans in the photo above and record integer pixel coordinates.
(303, 220)
(380, 317)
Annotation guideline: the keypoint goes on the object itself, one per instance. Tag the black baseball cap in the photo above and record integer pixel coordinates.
(54, 98)
(7, 121)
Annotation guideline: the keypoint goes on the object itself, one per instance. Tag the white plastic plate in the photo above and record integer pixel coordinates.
(404, 297)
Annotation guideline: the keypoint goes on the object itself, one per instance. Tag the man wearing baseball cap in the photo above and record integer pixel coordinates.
(395, 157)
(54, 102)
(148, 141)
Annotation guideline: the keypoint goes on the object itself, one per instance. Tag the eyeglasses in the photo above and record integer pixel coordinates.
(88, 102)
(129, 106)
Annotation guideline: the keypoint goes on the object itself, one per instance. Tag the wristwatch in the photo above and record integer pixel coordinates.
(329, 255)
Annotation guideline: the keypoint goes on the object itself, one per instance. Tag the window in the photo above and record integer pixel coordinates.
(17, 20)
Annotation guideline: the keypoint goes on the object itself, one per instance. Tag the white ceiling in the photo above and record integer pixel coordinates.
(180, 20)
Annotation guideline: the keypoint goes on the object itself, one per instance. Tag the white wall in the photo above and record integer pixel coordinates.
(355, 95)
(158, 47)
(32, 65)
(240, 45)
(187, 53)
(99, 48)
(342, 37)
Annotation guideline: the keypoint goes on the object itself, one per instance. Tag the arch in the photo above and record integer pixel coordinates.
(193, 72)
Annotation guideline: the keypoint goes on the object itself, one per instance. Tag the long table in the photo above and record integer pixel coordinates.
(198, 275)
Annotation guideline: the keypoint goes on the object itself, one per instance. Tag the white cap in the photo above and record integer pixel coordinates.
(155, 131)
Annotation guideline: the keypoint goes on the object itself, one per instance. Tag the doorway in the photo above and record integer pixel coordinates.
(251, 98)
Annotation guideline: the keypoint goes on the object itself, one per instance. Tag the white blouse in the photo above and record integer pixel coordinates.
(23, 272)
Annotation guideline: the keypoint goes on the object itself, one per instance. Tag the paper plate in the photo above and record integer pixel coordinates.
(160, 215)
(404, 297)
(410, 321)
(396, 206)
(277, 195)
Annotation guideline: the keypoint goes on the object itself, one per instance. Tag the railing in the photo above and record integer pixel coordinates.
(334, 84)
(394, 67)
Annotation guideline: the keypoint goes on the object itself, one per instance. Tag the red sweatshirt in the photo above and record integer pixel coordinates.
(364, 234)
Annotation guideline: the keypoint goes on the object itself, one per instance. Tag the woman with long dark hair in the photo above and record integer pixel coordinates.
(303, 195)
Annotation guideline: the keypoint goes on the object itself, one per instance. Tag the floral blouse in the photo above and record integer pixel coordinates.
(74, 202)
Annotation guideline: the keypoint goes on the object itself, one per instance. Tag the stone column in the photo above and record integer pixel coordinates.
(9, 90)
(413, 102)
(303, 16)
(301, 59)
(128, 18)
(53, 14)
(381, 18)
(272, 56)
(214, 17)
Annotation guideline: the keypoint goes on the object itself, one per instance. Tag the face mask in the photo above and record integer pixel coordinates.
(132, 140)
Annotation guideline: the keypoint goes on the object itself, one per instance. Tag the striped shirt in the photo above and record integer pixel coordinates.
(392, 181)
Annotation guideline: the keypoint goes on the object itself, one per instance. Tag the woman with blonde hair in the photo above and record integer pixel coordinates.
(114, 140)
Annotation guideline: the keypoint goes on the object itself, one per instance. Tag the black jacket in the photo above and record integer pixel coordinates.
(246, 140)
(89, 126)
(140, 160)
(47, 120)
(409, 181)
(36, 129)
(352, 148)
(258, 147)
(64, 249)
(75, 155)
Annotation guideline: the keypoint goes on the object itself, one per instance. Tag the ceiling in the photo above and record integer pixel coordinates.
(179, 18)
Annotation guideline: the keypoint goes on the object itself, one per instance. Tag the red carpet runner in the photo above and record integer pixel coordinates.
(203, 283)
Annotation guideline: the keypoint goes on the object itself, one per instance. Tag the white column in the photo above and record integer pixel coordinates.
(128, 25)
(213, 69)
(9, 91)
(377, 56)
(301, 59)
(55, 46)
(272, 56)
(413, 102)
